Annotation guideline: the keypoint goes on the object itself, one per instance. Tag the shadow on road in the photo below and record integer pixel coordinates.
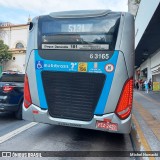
(7, 116)
(84, 139)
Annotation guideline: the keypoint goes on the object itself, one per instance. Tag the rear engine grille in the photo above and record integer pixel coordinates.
(72, 95)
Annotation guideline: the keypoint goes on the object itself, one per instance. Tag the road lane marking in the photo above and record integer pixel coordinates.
(150, 99)
(16, 132)
(142, 138)
(152, 122)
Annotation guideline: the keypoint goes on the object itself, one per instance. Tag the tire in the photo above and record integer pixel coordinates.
(18, 114)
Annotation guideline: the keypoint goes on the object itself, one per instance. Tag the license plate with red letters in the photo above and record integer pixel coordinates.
(107, 125)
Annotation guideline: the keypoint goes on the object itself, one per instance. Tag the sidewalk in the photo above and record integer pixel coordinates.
(151, 94)
(146, 120)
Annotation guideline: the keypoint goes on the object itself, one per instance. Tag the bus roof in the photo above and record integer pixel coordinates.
(79, 13)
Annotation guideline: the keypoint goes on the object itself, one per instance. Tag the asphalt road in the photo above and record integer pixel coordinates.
(19, 135)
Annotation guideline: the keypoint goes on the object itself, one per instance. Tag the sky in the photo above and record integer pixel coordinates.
(18, 11)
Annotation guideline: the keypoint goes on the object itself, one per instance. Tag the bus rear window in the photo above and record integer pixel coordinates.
(90, 31)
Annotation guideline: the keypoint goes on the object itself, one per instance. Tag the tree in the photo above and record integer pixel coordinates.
(5, 54)
(1, 32)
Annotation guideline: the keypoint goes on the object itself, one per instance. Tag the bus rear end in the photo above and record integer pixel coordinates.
(79, 70)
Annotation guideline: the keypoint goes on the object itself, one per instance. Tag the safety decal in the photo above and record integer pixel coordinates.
(39, 65)
(82, 67)
(109, 68)
(95, 67)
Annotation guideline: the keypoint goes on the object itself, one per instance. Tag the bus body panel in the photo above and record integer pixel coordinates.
(124, 126)
(120, 32)
(111, 103)
(99, 110)
(79, 14)
(127, 43)
(29, 67)
(117, 84)
(32, 79)
(32, 40)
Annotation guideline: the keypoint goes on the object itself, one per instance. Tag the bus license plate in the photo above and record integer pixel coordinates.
(107, 125)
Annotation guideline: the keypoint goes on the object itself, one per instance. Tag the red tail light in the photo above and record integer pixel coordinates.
(27, 95)
(124, 106)
(7, 88)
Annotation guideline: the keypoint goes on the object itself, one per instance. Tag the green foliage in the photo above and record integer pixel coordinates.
(5, 55)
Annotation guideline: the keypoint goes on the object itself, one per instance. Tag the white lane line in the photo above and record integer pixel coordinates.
(16, 132)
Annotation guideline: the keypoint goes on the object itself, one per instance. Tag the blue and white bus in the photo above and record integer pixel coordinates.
(79, 70)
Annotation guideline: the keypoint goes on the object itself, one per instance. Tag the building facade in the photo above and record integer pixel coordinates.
(150, 70)
(15, 36)
(147, 46)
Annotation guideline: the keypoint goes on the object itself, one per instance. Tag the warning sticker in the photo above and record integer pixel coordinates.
(82, 67)
(109, 68)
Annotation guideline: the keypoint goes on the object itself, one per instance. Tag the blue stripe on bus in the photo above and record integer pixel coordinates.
(107, 86)
(50, 65)
(42, 97)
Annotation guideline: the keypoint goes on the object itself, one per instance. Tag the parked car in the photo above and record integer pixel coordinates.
(11, 92)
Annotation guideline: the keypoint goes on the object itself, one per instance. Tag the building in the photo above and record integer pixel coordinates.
(133, 6)
(15, 36)
(147, 41)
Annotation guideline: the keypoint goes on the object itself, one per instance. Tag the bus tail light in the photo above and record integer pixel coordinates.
(27, 95)
(124, 106)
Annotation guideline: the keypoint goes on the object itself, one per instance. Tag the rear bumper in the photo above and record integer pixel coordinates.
(8, 107)
(39, 115)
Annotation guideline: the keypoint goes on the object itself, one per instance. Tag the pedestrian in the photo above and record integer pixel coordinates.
(146, 86)
(140, 84)
(137, 85)
(150, 84)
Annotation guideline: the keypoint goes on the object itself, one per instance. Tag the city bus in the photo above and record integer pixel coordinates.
(79, 70)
